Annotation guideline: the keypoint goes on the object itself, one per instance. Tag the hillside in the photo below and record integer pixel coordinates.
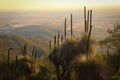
(33, 31)
(17, 42)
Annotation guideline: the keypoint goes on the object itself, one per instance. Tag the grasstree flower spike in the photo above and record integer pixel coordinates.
(65, 29)
(50, 46)
(54, 41)
(71, 26)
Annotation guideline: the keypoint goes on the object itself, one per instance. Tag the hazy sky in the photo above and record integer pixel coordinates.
(53, 4)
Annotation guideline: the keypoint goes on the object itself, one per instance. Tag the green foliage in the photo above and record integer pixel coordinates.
(114, 62)
(113, 40)
(42, 75)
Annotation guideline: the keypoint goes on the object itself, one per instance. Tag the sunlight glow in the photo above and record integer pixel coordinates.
(53, 4)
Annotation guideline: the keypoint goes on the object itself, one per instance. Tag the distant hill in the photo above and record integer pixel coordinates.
(35, 31)
(17, 42)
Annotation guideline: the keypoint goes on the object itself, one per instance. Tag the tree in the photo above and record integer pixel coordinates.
(113, 39)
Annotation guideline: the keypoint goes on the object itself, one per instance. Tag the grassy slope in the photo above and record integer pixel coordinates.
(18, 41)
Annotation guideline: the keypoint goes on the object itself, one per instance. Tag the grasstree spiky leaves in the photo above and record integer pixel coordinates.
(67, 51)
(82, 45)
(62, 56)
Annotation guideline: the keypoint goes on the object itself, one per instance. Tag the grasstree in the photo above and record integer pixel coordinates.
(87, 42)
(64, 54)
(24, 68)
(53, 57)
(88, 68)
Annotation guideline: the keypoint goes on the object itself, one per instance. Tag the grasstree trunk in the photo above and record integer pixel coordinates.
(33, 51)
(8, 61)
(16, 60)
(65, 29)
(87, 23)
(25, 50)
(71, 27)
(55, 41)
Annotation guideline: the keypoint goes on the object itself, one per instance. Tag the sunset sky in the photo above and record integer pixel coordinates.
(53, 4)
